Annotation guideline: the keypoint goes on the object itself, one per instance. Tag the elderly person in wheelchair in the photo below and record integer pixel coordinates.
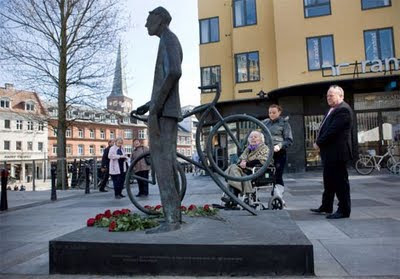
(254, 155)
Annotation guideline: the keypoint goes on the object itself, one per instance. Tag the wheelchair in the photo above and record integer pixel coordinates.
(265, 194)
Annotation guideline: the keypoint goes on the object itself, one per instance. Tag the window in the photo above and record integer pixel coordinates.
(102, 147)
(313, 8)
(29, 146)
(4, 103)
(91, 133)
(41, 126)
(68, 133)
(210, 76)
(187, 140)
(126, 120)
(320, 52)
(68, 149)
(209, 30)
(80, 149)
(244, 12)
(40, 146)
(30, 125)
(6, 145)
(91, 149)
(128, 134)
(30, 106)
(128, 149)
(102, 134)
(113, 120)
(18, 145)
(378, 43)
(19, 124)
(111, 134)
(80, 133)
(54, 132)
(142, 134)
(247, 67)
(7, 124)
(54, 149)
(372, 4)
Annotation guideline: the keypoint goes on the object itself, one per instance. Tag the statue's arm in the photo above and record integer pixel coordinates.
(173, 71)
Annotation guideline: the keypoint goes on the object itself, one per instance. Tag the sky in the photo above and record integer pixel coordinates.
(140, 50)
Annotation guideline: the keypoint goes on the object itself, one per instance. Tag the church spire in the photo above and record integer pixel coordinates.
(119, 85)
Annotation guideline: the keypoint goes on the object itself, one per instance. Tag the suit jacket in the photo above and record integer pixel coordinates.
(168, 70)
(105, 162)
(335, 135)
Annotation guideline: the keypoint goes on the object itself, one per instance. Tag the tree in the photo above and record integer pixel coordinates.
(61, 46)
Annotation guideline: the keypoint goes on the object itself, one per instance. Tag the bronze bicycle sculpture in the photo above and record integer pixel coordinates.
(207, 161)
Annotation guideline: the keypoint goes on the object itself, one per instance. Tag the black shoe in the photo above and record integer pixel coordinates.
(121, 196)
(103, 190)
(337, 215)
(320, 210)
(118, 197)
(225, 199)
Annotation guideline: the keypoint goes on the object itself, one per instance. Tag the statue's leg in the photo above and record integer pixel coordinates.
(163, 152)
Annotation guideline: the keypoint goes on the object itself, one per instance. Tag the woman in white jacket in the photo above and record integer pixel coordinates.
(118, 166)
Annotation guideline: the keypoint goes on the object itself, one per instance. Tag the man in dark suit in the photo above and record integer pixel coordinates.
(105, 165)
(334, 141)
(164, 113)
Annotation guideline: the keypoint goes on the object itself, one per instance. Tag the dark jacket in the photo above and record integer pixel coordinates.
(281, 132)
(335, 135)
(105, 161)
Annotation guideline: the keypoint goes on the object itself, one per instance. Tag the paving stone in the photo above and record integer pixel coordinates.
(365, 202)
(325, 263)
(385, 227)
(321, 229)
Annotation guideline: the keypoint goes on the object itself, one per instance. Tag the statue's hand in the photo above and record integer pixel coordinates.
(142, 109)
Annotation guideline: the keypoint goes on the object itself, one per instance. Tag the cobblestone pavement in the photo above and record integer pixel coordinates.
(367, 245)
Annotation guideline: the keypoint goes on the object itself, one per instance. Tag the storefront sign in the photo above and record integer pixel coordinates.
(367, 66)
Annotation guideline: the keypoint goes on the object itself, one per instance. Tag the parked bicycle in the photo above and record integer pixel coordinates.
(207, 161)
(366, 164)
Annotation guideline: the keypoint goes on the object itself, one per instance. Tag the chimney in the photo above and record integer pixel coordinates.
(9, 86)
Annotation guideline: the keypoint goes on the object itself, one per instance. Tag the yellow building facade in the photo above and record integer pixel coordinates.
(290, 51)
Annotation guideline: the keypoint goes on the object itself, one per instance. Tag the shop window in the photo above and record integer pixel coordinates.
(247, 67)
(209, 30)
(312, 124)
(210, 76)
(244, 12)
(320, 52)
(378, 43)
(313, 8)
(372, 4)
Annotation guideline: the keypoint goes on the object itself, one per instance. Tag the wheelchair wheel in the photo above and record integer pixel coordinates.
(132, 188)
(275, 203)
(236, 121)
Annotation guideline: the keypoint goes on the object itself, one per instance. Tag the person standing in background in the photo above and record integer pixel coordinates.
(118, 166)
(105, 164)
(141, 168)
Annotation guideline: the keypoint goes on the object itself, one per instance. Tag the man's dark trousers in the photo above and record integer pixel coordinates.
(336, 181)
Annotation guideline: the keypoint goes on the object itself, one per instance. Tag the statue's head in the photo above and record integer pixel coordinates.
(157, 21)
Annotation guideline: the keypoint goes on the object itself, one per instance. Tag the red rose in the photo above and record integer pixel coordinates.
(158, 207)
(147, 206)
(117, 213)
(192, 207)
(90, 222)
(206, 207)
(107, 213)
(99, 217)
(125, 211)
(112, 226)
(183, 208)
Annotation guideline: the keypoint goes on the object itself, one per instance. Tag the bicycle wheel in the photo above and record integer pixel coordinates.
(391, 165)
(364, 165)
(131, 188)
(237, 121)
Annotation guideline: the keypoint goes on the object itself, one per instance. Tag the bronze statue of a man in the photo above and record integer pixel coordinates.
(164, 113)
